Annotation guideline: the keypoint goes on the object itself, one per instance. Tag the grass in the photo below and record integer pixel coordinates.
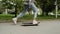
(26, 17)
(6, 17)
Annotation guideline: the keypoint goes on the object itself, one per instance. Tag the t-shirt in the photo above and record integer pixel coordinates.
(28, 1)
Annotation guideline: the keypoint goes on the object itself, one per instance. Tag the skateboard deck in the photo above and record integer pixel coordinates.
(30, 24)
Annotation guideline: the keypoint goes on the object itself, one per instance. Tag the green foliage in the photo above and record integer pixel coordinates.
(43, 4)
(11, 3)
(47, 6)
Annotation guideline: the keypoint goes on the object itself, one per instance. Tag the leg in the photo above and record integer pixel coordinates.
(35, 9)
(21, 14)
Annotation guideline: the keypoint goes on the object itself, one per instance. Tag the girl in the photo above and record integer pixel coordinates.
(28, 4)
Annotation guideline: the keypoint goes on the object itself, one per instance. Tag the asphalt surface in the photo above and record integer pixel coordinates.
(45, 27)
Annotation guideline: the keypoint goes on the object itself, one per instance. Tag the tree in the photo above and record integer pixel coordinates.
(47, 6)
(58, 4)
(10, 4)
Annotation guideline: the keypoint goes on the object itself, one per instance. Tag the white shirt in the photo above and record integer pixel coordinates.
(28, 1)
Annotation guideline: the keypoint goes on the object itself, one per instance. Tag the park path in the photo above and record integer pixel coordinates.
(45, 27)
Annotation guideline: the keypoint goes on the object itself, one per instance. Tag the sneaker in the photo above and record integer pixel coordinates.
(15, 20)
(35, 22)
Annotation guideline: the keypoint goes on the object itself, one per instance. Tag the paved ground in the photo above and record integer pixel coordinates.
(45, 27)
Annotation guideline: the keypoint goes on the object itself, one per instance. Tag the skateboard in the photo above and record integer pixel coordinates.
(30, 24)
